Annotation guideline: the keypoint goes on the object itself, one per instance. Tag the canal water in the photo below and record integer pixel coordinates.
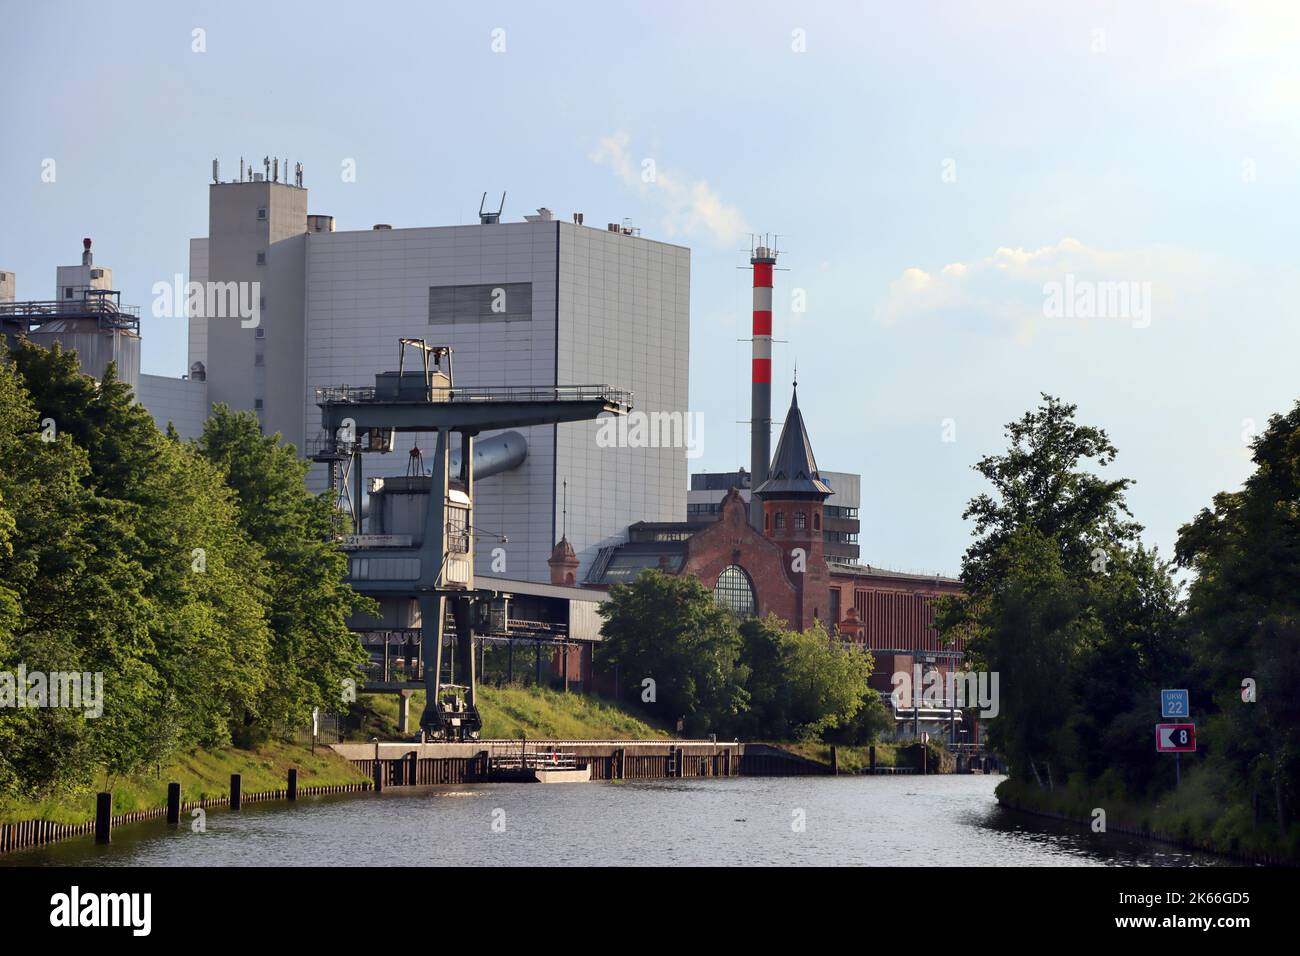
(850, 820)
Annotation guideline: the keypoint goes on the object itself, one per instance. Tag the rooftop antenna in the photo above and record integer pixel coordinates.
(564, 519)
(490, 218)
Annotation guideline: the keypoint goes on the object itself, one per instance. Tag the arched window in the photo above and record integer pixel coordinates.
(800, 521)
(735, 591)
(817, 521)
(780, 521)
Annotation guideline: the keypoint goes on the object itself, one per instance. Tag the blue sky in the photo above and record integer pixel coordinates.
(929, 167)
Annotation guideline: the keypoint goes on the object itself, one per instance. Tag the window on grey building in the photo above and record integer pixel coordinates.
(490, 302)
(261, 258)
(735, 591)
(261, 212)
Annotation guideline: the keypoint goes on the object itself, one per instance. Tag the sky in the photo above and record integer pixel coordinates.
(975, 203)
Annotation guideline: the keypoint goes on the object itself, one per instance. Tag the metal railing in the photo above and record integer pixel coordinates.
(350, 394)
(536, 760)
(108, 313)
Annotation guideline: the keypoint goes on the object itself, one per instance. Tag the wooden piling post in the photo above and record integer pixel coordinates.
(103, 817)
(293, 784)
(236, 798)
(173, 804)
(835, 761)
(871, 756)
(379, 777)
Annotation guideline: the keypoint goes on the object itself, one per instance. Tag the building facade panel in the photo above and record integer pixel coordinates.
(624, 312)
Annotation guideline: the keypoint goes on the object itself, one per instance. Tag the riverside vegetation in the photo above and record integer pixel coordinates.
(1085, 625)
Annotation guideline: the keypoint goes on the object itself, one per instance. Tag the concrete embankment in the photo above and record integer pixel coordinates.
(413, 764)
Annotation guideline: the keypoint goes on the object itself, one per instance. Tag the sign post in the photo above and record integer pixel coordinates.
(1176, 703)
(1176, 739)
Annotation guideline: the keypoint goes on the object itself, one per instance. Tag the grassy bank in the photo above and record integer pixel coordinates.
(515, 711)
(857, 759)
(1203, 814)
(851, 759)
(201, 773)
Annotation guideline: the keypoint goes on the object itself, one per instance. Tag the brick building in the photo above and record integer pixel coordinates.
(782, 568)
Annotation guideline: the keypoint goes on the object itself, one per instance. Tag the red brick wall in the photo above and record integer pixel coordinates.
(812, 587)
(731, 540)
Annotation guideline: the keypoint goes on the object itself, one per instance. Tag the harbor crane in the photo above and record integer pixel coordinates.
(437, 568)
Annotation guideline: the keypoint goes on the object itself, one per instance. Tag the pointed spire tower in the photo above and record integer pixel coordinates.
(792, 498)
(793, 474)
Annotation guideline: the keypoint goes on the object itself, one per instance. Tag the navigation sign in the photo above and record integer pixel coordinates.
(1176, 738)
(1174, 703)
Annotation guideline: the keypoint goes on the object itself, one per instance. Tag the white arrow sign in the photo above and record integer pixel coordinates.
(1175, 738)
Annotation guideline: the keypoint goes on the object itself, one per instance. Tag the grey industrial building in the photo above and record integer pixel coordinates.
(531, 303)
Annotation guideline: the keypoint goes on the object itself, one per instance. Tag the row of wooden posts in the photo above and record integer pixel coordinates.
(32, 833)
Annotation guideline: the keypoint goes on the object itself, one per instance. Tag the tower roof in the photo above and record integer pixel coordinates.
(794, 469)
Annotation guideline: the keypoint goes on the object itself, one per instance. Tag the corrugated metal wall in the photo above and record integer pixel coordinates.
(584, 622)
(896, 620)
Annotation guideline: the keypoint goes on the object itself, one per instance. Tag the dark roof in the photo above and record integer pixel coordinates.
(866, 570)
(621, 563)
(794, 469)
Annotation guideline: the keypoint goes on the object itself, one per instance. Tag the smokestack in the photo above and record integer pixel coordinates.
(760, 442)
(86, 258)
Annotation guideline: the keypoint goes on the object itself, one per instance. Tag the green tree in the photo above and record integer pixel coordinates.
(670, 630)
(1062, 601)
(828, 678)
(1044, 481)
(1243, 616)
(311, 649)
(71, 600)
(200, 579)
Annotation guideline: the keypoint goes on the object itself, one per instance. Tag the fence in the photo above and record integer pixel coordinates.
(27, 834)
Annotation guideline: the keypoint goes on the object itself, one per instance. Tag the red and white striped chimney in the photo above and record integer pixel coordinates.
(763, 259)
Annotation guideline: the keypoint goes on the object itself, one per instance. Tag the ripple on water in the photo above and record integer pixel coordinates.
(878, 821)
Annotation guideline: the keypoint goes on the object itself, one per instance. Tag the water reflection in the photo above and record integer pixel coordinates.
(873, 821)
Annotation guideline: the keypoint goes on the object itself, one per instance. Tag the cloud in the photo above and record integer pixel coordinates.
(691, 207)
(1003, 294)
